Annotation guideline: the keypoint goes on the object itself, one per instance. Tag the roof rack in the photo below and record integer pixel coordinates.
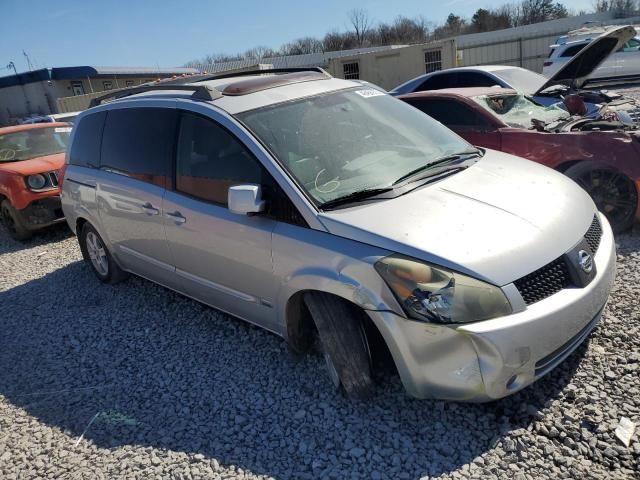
(200, 92)
(263, 72)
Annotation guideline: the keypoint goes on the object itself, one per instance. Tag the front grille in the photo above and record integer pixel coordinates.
(544, 282)
(634, 114)
(593, 235)
(554, 276)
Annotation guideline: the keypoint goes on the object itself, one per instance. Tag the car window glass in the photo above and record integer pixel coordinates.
(632, 45)
(438, 82)
(210, 159)
(572, 50)
(451, 113)
(85, 150)
(474, 79)
(138, 142)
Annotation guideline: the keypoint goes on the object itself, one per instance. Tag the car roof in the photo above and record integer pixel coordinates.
(236, 94)
(461, 92)
(32, 126)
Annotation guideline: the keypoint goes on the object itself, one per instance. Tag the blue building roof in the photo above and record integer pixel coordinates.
(68, 73)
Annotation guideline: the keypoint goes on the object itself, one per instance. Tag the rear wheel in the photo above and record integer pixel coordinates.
(96, 254)
(612, 191)
(13, 222)
(344, 343)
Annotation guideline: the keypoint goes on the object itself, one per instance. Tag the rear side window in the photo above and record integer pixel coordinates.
(451, 113)
(438, 82)
(571, 51)
(474, 79)
(85, 150)
(138, 143)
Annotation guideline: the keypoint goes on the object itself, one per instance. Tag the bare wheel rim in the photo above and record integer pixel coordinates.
(612, 192)
(97, 254)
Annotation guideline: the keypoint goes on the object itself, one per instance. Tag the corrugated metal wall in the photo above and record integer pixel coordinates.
(525, 46)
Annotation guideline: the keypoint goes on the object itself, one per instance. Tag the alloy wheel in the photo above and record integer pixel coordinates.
(97, 254)
(612, 192)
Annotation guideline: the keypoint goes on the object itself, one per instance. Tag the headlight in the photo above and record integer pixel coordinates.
(434, 294)
(36, 182)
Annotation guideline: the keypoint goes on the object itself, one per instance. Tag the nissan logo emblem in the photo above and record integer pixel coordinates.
(585, 261)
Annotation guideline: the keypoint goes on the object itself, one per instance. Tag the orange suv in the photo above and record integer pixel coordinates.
(31, 160)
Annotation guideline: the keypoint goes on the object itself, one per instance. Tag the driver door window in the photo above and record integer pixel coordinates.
(210, 160)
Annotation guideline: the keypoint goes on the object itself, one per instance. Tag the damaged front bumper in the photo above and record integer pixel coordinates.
(42, 213)
(489, 360)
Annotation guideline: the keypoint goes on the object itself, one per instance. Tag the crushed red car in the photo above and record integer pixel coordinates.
(31, 160)
(601, 154)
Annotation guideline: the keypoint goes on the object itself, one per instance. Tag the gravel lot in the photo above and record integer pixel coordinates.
(135, 381)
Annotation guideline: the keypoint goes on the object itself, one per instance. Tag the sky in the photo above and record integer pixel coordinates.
(164, 33)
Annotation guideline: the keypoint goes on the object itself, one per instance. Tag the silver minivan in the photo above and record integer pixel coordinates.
(317, 207)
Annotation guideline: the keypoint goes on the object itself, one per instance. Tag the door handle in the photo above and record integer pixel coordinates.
(176, 217)
(150, 209)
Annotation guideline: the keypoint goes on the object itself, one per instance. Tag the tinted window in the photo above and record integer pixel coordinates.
(438, 82)
(474, 79)
(210, 159)
(451, 113)
(571, 51)
(138, 142)
(85, 150)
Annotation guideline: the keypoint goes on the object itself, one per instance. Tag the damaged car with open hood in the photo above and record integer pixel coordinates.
(571, 79)
(323, 209)
(601, 154)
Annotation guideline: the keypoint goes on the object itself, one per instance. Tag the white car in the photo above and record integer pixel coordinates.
(625, 62)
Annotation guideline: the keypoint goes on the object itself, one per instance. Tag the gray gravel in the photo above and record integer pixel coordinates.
(135, 381)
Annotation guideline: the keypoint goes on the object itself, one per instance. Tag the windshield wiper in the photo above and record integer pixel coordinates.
(446, 160)
(353, 197)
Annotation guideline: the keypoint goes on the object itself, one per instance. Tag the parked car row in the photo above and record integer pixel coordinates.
(624, 62)
(319, 207)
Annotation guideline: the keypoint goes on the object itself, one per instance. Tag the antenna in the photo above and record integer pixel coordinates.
(12, 65)
(28, 60)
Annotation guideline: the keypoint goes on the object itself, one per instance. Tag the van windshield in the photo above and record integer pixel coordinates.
(352, 140)
(32, 143)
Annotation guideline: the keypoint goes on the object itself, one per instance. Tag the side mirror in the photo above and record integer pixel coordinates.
(245, 199)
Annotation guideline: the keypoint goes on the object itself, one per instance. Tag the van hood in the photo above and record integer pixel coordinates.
(498, 220)
(34, 165)
(575, 72)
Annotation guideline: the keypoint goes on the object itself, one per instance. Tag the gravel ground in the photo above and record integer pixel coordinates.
(135, 381)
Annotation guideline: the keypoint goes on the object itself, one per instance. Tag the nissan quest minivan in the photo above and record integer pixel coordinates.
(317, 207)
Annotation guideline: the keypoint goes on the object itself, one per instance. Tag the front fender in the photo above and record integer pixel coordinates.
(306, 259)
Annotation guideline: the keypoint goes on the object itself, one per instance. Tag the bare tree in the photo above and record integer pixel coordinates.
(259, 52)
(361, 24)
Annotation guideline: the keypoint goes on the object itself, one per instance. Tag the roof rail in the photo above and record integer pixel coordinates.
(262, 72)
(200, 92)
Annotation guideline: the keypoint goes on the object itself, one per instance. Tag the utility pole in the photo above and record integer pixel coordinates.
(28, 60)
(24, 92)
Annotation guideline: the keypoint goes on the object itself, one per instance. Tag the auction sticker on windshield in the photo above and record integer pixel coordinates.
(62, 129)
(369, 92)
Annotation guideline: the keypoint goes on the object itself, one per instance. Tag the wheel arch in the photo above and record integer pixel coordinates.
(301, 329)
(567, 164)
